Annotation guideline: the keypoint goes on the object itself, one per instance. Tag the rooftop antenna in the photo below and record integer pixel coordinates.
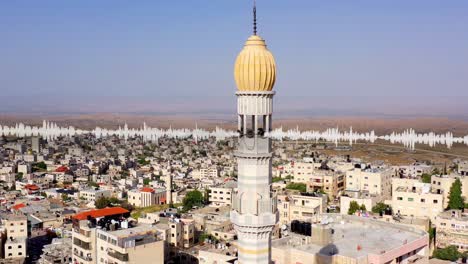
(255, 18)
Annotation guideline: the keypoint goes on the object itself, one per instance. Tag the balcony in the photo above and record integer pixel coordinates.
(268, 205)
(117, 255)
(87, 258)
(81, 244)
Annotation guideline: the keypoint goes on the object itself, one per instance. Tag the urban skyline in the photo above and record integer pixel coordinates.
(370, 166)
(324, 49)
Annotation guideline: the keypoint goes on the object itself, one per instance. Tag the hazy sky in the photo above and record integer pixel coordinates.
(154, 49)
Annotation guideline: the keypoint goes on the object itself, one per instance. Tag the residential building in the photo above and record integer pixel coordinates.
(452, 230)
(139, 244)
(16, 233)
(91, 195)
(305, 207)
(414, 198)
(415, 170)
(84, 231)
(375, 181)
(339, 239)
(463, 168)
(303, 171)
(443, 183)
(146, 196)
(330, 182)
(222, 195)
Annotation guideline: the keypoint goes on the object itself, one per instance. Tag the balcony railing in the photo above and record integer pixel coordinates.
(268, 205)
(118, 255)
(81, 244)
(85, 258)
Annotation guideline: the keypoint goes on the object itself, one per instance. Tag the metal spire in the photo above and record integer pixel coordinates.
(255, 18)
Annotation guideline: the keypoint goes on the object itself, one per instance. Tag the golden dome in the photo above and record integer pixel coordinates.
(255, 68)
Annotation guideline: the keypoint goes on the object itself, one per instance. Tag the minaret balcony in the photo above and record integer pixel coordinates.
(254, 146)
(245, 205)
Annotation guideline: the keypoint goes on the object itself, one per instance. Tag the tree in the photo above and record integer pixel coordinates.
(93, 184)
(302, 187)
(64, 197)
(426, 178)
(102, 202)
(362, 208)
(455, 196)
(207, 196)
(146, 181)
(449, 253)
(353, 207)
(191, 199)
(19, 176)
(276, 179)
(379, 208)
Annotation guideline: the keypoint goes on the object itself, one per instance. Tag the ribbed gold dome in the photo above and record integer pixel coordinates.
(255, 68)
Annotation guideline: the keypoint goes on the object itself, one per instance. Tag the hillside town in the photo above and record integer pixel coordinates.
(87, 200)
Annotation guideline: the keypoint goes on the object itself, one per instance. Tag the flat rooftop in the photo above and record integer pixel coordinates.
(140, 230)
(353, 237)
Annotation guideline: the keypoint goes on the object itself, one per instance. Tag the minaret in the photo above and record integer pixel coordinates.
(254, 211)
(169, 189)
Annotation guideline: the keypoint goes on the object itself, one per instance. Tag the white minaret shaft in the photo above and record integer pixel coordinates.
(254, 212)
(254, 206)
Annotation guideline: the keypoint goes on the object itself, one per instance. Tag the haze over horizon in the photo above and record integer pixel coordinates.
(373, 58)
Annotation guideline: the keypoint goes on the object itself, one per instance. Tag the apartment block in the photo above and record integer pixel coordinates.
(303, 171)
(443, 183)
(452, 229)
(16, 233)
(305, 207)
(91, 195)
(328, 181)
(139, 244)
(222, 195)
(414, 198)
(84, 229)
(375, 181)
(146, 196)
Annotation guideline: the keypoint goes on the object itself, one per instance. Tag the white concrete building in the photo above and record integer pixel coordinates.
(91, 195)
(377, 181)
(222, 195)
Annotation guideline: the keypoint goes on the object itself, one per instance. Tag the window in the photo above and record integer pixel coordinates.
(435, 201)
(20, 246)
(399, 198)
(410, 199)
(423, 200)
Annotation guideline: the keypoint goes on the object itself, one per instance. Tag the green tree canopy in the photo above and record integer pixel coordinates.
(102, 202)
(379, 207)
(426, 178)
(353, 207)
(449, 253)
(191, 199)
(455, 196)
(297, 186)
(146, 181)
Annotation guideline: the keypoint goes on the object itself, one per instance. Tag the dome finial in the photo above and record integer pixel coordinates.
(255, 18)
